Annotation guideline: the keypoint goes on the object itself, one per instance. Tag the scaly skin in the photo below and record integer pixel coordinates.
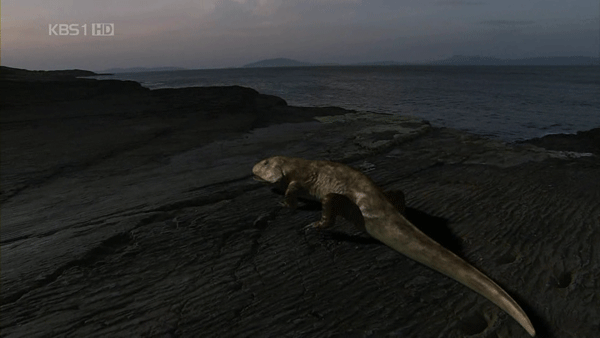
(335, 184)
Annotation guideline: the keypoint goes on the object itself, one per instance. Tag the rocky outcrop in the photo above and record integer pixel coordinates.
(583, 142)
(16, 74)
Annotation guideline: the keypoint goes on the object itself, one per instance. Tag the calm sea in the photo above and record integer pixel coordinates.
(508, 103)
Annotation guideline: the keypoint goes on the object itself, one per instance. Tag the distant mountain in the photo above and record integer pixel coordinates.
(279, 62)
(380, 63)
(141, 69)
(456, 60)
(461, 60)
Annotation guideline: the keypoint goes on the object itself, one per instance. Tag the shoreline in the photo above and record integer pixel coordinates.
(128, 211)
(516, 118)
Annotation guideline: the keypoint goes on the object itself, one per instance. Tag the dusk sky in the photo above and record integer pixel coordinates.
(231, 33)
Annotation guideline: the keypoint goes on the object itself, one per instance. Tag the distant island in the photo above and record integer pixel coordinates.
(278, 62)
(141, 69)
(456, 60)
(461, 60)
(382, 63)
(285, 62)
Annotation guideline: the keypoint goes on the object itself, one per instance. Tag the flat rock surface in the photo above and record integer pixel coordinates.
(132, 213)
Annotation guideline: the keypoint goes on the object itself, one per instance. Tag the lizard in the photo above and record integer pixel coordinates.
(334, 184)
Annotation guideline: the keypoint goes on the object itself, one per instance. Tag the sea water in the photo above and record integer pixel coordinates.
(504, 102)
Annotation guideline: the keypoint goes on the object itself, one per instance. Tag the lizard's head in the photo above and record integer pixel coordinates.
(269, 170)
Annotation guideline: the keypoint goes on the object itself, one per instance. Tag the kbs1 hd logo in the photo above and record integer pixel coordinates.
(74, 29)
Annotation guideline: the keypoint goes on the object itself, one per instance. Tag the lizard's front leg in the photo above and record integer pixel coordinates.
(291, 195)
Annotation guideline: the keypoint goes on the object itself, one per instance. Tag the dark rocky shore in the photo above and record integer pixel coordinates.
(587, 141)
(129, 212)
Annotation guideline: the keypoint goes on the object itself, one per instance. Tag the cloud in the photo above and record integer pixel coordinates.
(221, 33)
(593, 20)
(458, 3)
(507, 23)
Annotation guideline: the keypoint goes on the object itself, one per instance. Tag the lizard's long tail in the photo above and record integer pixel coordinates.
(410, 241)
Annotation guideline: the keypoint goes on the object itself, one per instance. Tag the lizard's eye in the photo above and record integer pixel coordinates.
(266, 162)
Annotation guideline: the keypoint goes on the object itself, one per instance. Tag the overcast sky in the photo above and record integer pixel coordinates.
(231, 33)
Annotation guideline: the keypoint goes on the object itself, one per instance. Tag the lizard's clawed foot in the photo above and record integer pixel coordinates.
(309, 226)
(289, 203)
(316, 225)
